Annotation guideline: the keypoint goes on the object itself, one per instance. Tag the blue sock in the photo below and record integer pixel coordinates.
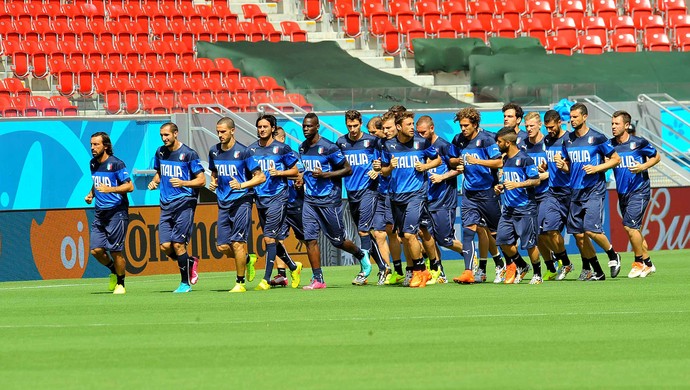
(270, 259)
(184, 267)
(283, 254)
(366, 242)
(318, 275)
(468, 246)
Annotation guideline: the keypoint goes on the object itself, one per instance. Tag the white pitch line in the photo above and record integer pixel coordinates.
(244, 322)
(92, 284)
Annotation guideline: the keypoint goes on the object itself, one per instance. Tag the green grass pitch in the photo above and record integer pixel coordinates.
(621, 333)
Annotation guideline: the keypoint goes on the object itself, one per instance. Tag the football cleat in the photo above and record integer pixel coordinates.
(647, 271)
(365, 264)
(420, 278)
(596, 277)
(480, 276)
(615, 266)
(183, 288)
(119, 290)
(383, 276)
(564, 271)
(112, 282)
(251, 270)
(262, 286)
(465, 278)
(394, 278)
(239, 288)
(194, 275)
(521, 272)
(408, 278)
(500, 275)
(511, 272)
(636, 270)
(359, 280)
(296, 275)
(536, 279)
(278, 281)
(585, 274)
(315, 285)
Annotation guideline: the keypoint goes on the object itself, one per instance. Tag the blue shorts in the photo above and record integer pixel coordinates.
(633, 206)
(271, 218)
(518, 223)
(176, 223)
(553, 213)
(481, 208)
(328, 219)
(406, 216)
(293, 219)
(108, 230)
(234, 222)
(586, 215)
(442, 226)
(382, 214)
(363, 211)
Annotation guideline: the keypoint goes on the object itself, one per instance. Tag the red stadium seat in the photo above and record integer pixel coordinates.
(454, 11)
(63, 105)
(312, 9)
(574, 9)
(253, 12)
(45, 106)
(651, 24)
(501, 27)
(510, 10)
(484, 11)
(7, 107)
(623, 43)
(595, 25)
(657, 42)
(270, 84)
(542, 10)
(606, 9)
(683, 42)
(590, 44)
(560, 45)
(672, 8)
(441, 28)
(565, 28)
(533, 28)
(680, 24)
(293, 31)
(623, 24)
(638, 8)
(401, 11)
(427, 11)
(473, 28)
(390, 42)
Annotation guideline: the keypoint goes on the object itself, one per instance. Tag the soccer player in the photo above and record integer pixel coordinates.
(475, 154)
(387, 240)
(234, 174)
(519, 217)
(360, 151)
(536, 149)
(375, 127)
(512, 117)
(406, 158)
(180, 175)
(293, 216)
(324, 165)
(278, 162)
(584, 153)
(442, 198)
(632, 185)
(111, 183)
(553, 208)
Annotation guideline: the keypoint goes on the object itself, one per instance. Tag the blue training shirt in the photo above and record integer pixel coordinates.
(538, 153)
(384, 181)
(406, 181)
(634, 151)
(110, 173)
(559, 181)
(590, 149)
(295, 195)
(518, 168)
(327, 157)
(274, 155)
(183, 164)
(482, 146)
(443, 195)
(360, 154)
(228, 164)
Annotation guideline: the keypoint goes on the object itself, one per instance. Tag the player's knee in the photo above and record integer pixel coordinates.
(269, 240)
(166, 247)
(178, 247)
(97, 252)
(591, 234)
(223, 248)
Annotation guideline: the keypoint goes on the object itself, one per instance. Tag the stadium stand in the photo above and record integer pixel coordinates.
(72, 47)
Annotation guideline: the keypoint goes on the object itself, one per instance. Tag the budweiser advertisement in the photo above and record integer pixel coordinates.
(666, 223)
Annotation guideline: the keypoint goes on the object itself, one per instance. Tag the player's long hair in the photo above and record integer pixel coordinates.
(107, 144)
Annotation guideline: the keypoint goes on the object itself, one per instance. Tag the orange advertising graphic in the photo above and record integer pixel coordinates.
(144, 257)
(60, 244)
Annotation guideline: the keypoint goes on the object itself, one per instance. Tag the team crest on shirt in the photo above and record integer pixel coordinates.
(319, 150)
(366, 143)
(109, 167)
(633, 145)
(517, 162)
(236, 154)
(275, 150)
(590, 140)
(478, 143)
(182, 156)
